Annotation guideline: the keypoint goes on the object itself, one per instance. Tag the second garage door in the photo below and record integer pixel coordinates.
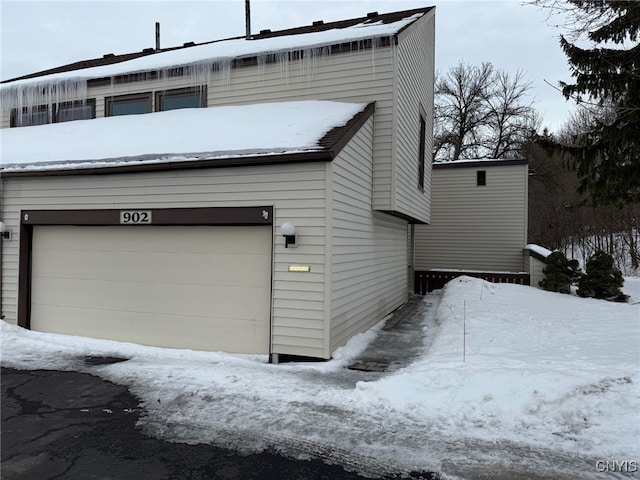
(204, 288)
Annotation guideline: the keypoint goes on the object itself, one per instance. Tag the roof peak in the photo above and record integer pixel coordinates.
(372, 18)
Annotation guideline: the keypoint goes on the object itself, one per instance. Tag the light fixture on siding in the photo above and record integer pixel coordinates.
(288, 231)
(4, 233)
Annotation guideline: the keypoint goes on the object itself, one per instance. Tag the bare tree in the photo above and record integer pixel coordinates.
(481, 112)
(461, 113)
(512, 118)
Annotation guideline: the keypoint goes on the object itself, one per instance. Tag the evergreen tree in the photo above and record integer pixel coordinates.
(606, 155)
(559, 273)
(602, 279)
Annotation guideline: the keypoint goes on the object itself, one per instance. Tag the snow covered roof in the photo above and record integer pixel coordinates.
(185, 138)
(480, 162)
(315, 36)
(537, 251)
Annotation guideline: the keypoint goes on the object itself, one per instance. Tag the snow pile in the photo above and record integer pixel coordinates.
(542, 383)
(175, 135)
(533, 366)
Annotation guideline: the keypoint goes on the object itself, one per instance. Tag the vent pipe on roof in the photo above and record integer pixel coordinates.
(157, 36)
(247, 18)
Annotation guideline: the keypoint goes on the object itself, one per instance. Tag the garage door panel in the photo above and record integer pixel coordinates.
(186, 268)
(164, 298)
(244, 336)
(89, 281)
(144, 239)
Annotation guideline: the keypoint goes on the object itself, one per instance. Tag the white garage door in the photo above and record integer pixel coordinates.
(205, 288)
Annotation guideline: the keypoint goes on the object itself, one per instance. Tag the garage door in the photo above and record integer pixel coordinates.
(202, 287)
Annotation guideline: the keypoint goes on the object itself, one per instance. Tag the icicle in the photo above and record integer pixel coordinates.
(283, 62)
(30, 97)
(374, 42)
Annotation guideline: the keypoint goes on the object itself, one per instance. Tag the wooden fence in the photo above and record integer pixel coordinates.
(427, 281)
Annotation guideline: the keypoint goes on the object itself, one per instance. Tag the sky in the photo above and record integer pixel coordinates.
(36, 35)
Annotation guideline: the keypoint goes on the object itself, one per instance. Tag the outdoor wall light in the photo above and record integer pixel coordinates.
(288, 231)
(4, 233)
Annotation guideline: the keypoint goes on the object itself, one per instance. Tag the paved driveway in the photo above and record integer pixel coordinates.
(75, 426)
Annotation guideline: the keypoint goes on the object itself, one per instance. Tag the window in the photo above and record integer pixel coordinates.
(128, 104)
(181, 98)
(481, 178)
(62, 112)
(69, 111)
(421, 150)
(29, 116)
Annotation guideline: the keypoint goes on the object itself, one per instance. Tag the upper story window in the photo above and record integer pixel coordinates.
(481, 178)
(62, 112)
(30, 116)
(181, 98)
(421, 149)
(68, 111)
(128, 104)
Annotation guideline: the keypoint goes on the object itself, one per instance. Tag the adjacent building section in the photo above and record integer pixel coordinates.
(478, 219)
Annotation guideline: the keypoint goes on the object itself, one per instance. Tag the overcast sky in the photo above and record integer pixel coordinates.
(37, 35)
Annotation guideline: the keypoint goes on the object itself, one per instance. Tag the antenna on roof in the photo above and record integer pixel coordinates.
(157, 36)
(247, 15)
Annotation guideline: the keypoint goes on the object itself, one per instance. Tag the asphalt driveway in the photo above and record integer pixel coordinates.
(76, 426)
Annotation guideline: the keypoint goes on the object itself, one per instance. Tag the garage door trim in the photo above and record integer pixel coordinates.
(213, 216)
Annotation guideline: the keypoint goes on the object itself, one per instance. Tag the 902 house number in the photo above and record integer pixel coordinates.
(135, 217)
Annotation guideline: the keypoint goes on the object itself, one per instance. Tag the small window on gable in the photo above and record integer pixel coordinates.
(69, 111)
(481, 178)
(29, 116)
(128, 104)
(421, 151)
(181, 98)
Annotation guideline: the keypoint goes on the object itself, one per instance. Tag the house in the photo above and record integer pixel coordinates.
(250, 195)
(478, 224)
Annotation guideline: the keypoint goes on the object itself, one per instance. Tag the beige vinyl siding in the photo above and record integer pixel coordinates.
(475, 227)
(357, 76)
(296, 191)
(9, 267)
(368, 250)
(414, 89)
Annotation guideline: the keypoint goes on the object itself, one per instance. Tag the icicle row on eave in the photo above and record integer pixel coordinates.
(33, 95)
(30, 97)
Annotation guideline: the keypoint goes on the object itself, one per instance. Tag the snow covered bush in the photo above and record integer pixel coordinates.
(559, 273)
(602, 279)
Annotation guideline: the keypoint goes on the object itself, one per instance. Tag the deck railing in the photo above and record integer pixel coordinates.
(427, 281)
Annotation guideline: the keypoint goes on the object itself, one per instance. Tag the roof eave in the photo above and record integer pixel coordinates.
(240, 161)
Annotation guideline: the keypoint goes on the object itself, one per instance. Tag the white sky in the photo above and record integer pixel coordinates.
(36, 35)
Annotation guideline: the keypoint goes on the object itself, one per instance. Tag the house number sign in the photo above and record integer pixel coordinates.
(135, 217)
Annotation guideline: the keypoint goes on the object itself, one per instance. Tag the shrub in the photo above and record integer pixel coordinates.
(602, 280)
(559, 273)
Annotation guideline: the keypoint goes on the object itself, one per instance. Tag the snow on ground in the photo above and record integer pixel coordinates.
(541, 382)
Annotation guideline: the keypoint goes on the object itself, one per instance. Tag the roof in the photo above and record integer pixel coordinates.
(479, 163)
(319, 34)
(187, 138)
